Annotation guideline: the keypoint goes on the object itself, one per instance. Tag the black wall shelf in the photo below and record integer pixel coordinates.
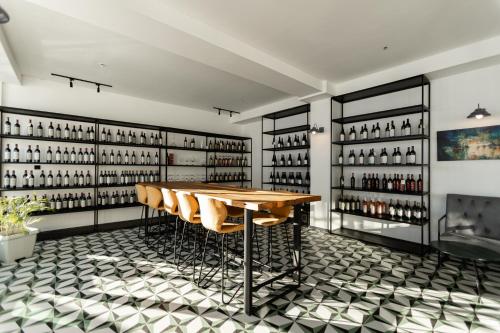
(281, 123)
(404, 111)
(422, 140)
(98, 146)
(386, 139)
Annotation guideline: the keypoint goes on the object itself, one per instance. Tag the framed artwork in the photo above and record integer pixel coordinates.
(480, 143)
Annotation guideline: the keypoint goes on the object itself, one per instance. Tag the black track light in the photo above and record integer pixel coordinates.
(221, 110)
(73, 79)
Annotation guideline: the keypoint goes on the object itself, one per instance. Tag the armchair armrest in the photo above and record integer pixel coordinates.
(439, 225)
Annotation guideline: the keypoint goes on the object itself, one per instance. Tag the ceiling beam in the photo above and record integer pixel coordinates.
(157, 24)
(9, 71)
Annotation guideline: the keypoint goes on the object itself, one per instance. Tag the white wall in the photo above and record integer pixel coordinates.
(84, 101)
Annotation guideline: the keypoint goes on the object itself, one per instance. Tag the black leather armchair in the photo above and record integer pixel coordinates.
(471, 229)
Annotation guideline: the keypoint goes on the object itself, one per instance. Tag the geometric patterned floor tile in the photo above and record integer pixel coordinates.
(112, 282)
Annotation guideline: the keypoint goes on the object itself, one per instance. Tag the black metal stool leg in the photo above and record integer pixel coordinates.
(478, 281)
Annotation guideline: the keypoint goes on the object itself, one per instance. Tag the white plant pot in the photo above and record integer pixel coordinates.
(17, 246)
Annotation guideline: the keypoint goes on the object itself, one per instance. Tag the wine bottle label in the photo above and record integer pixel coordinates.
(15, 155)
(58, 205)
(12, 182)
(37, 156)
(6, 155)
(392, 211)
(371, 159)
(51, 132)
(397, 159)
(342, 137)
(6, 129)
(351, 160)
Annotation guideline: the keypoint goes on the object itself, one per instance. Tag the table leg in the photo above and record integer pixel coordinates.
(146, 223)
(297, 242)
(478, 281)
(248, 254)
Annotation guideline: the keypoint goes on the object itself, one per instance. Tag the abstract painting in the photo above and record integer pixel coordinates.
(480, 143)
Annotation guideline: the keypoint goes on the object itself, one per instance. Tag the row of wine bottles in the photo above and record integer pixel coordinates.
(83, 156)
(70, 201)
(290, 179)
(227, 176)
(59, 180)
(226, 161)
(292, 190)
(390, 184)
(383, 159)
(290, 161)
(380, 208)
(280, 142)
(110, 178)
(144, 159)
(217, 145)
(57, 132)
(375, 133)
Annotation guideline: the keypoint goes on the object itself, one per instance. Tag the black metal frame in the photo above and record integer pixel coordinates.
(97, 123)
(302, 109)
(206, 136)
(423, 109)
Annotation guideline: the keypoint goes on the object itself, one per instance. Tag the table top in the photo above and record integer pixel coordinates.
(249, 198)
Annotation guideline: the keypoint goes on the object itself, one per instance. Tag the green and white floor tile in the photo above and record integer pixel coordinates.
(112, 282)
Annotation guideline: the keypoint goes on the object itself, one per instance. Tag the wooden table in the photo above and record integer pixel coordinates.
(252, 200)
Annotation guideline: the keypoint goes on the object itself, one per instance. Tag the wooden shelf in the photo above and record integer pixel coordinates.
(285, 166)
(386, 139)
(407, 110)
(50, 163)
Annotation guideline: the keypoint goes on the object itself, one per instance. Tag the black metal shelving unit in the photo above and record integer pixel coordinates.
(97, 145)
(423, 110)
(206, 138)
(289, 117)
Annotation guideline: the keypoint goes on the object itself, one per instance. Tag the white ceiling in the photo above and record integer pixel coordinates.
(339, 40)
(235, 54)
(45, 42)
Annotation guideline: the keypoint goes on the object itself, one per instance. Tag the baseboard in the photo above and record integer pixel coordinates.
(85, 230)
(389, 242)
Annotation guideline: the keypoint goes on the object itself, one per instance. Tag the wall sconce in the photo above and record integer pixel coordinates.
(479, 113)
(315, 129)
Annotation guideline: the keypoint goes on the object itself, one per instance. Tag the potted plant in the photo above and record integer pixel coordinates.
(17, 238)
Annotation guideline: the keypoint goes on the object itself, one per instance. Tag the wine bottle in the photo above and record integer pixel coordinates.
(383, 157)
(7, 127)
(39, 130)
(17, 128)
(36, 155)
(361, 158)
(407, 130)
(6, 154)
(15, 154)
(51, 131)
(342, 134)
(30, 128)
(29, 154)
(353, 181)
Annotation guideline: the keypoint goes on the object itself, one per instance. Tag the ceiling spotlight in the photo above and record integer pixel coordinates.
(4, 17)
(71, 83)
(230, 114)
(386, 48)
(102, 65)
(98, 87)
(479, 113)
(315, 129)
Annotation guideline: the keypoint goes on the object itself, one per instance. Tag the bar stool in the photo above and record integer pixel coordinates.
(171, 207)
(189, 213)
(155, 202)
(142, 198)
(213, 218)
(276, 216)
